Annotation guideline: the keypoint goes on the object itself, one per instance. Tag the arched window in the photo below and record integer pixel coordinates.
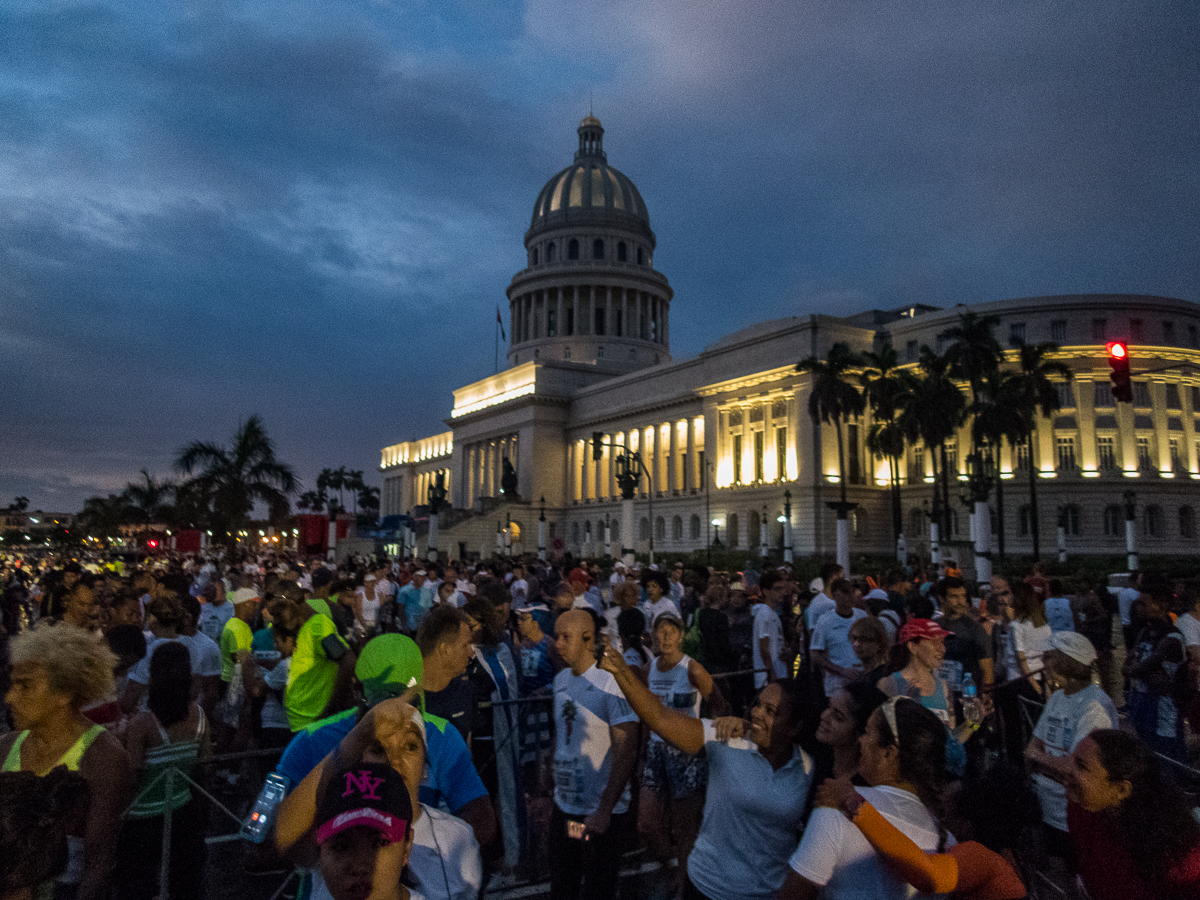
(535, 256)
(1024, 521)
(551, 252)
(600, 529)
(858, 523)
(598, 249)
(621, 254)
(1154, 521)
(1068, 516)
(1114, 521)
(677, 528)
(640, 257)
(1187, 522)
(660, 529)
(731, 530)
(573, 249)
(575, 532)
(644, 530)
(694, 528)
(614, 528)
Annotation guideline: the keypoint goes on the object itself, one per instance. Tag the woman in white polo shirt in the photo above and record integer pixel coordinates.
(903, 758)
(757, 787)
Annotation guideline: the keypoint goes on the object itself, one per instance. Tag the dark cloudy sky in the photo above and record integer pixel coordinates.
(310, 210)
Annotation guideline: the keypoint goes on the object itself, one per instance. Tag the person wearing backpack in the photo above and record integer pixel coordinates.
(1157, 669)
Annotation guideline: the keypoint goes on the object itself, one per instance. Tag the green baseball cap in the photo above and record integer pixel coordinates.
(388, 666)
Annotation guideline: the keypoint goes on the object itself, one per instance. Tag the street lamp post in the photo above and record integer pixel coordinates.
(542, 532)
(716, 524)
(788, 551)
(762, 534)
(437, 499)
(935, 550)
(1131, 554)
(979, 481)
(707, 512)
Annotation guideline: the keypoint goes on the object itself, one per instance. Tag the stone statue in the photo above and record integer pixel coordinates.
(508, 481)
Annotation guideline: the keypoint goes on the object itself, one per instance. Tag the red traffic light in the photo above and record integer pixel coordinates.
(1118, 361)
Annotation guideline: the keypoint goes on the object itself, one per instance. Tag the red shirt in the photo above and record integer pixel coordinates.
(1106, 865)
(984, 874)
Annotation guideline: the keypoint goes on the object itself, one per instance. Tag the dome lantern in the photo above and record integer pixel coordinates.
(591, 139)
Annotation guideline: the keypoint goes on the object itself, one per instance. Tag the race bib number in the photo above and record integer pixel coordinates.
(568, 781)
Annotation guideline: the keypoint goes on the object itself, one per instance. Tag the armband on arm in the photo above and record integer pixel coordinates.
(334, 647)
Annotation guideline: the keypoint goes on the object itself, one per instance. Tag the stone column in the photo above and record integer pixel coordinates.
(1158, 400)
(673, 458)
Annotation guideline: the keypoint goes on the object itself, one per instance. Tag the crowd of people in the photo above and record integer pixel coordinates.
(421, 727)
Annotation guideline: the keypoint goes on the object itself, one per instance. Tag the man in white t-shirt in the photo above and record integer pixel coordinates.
(519, 587)
(595, 750)
(766, 636)
(831, 648)
(216, 611)
(1076, 709)
(823, 602)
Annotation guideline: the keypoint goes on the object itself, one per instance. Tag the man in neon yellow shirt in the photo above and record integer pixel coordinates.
(237, 635)
(321, 677)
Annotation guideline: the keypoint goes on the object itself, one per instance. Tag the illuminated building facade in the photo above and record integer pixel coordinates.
(725, 433)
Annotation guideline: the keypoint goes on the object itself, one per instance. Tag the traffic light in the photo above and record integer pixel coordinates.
(1118, 361)
(597, 445)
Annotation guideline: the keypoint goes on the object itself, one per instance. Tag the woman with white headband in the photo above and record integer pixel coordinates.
(902, 758)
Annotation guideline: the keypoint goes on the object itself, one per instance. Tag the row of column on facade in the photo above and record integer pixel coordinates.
(484, 466)
(673, 453)
(595, 310)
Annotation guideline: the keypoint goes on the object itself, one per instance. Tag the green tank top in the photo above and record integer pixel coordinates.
(71, 759)
(152, 796)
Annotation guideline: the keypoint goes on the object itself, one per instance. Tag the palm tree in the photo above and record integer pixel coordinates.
(104, 516)
(368, 498)
(832, 399)
(148, 499)
(1037, 393)
(331, 480)
(884, 385)
(20, 504)
(232, 478)
(973, 352)
(353, 482)
(932, 412)
(997, 417)
(310, 500)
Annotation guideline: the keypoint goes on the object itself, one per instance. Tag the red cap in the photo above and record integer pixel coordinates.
(921, 630)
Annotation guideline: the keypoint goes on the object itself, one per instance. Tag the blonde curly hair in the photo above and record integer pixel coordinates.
(78, 662)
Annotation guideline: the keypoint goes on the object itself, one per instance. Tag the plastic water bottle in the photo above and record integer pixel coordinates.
(970, 699)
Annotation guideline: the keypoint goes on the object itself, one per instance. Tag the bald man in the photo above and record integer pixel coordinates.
(595, 749)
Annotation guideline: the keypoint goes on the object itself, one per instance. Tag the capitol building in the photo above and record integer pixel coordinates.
(726, 437)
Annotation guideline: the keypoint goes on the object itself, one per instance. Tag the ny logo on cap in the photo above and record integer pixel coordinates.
(363, 783)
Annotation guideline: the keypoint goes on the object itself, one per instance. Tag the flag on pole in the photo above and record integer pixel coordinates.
(500, 322)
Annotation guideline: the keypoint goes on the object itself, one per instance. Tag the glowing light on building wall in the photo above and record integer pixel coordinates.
(793, 467)
(724, 475)
(519, 381)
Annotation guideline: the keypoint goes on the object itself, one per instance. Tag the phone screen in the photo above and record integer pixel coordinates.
(575, 830)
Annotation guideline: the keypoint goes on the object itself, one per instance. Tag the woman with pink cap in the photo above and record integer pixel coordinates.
(923, 645)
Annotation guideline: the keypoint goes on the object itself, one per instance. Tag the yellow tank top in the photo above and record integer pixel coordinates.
(71, 759)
